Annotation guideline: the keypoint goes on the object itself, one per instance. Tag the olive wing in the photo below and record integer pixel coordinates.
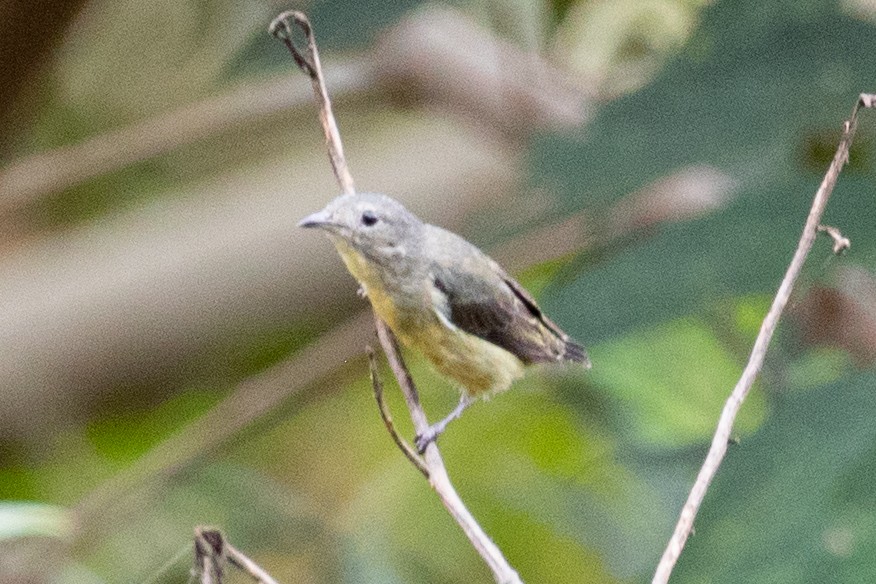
(483, 300)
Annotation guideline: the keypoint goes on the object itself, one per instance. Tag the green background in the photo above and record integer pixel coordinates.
(577, 477)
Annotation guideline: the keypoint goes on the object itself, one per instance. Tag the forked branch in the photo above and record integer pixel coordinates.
(435, 470)
(308, 61)
(431, 465)
(213, 553)
(755, 361)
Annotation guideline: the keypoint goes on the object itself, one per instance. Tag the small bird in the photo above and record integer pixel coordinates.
(443, 297)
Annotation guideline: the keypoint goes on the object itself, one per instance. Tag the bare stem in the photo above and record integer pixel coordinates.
(755, 361)
(432, 466)
(308, 61)
(436, 472)
(402, 444)
(209, 555)
(212, 552)
(841, 243)
(242, 562)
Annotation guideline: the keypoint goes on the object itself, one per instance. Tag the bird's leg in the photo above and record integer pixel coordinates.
(432, 432)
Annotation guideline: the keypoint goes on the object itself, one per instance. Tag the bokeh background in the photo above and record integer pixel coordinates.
(174, 352)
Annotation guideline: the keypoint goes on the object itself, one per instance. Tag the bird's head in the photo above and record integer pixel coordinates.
(376, 226)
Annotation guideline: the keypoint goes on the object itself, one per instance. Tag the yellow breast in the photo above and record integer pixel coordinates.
(478, 366)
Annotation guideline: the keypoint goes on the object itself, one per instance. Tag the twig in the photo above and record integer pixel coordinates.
(403, 444)
(434, 466)
(242, 562)
(435, 469)
(212, 551)
(309, 63)
(841, 243)
(209, 555)
(755, 361)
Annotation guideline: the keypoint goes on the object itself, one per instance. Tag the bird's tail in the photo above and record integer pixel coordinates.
(575, 353)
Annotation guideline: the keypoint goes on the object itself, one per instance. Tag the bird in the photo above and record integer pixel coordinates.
(443, 297)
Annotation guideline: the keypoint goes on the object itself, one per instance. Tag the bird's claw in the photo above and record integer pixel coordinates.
(423, 440)
(361, 293)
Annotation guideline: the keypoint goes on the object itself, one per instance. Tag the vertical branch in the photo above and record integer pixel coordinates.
(436, 471)
(755, 361)
(308, 62)
(432, 466)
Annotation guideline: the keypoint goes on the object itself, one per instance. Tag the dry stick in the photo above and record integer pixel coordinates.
(212, 551)
(755, 361)
(841, 243)
(262, 393)
(242, 562)
(435, 470)
(403, 444)
(282, 29)
(209, 556)
(434, 465)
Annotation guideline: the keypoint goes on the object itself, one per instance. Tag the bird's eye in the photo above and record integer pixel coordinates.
(369, 218)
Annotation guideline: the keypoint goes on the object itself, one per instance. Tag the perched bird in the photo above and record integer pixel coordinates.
(444, 297)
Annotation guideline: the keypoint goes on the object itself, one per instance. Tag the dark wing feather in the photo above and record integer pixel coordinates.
(497, 309)
(571, 351)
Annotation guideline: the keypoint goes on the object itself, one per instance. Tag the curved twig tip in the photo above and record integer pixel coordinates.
(281, 28)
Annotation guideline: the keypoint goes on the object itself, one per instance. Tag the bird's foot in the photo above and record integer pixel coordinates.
(431, 433)
(423, 440)
(361, 293)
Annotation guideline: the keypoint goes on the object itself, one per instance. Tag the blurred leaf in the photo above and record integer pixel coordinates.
(537, 278)
(127, 59)
(818, 368)
(257, 514)
(26, 519)
(577, 476)
(749, 312)
(616, 46)
(123, 437)
(673, 380)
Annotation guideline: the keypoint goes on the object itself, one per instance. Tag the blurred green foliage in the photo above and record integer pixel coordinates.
(577, 477)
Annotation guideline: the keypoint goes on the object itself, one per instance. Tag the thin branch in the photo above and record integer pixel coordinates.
(209, 555)
(436, 471)
(841, 243)
(212, 552)
(755, 361)
(263, 393)
(434, 465)
(242, 562)
(403, 444)
(281, 27)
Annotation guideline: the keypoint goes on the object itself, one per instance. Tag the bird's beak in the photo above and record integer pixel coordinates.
(318, 219)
